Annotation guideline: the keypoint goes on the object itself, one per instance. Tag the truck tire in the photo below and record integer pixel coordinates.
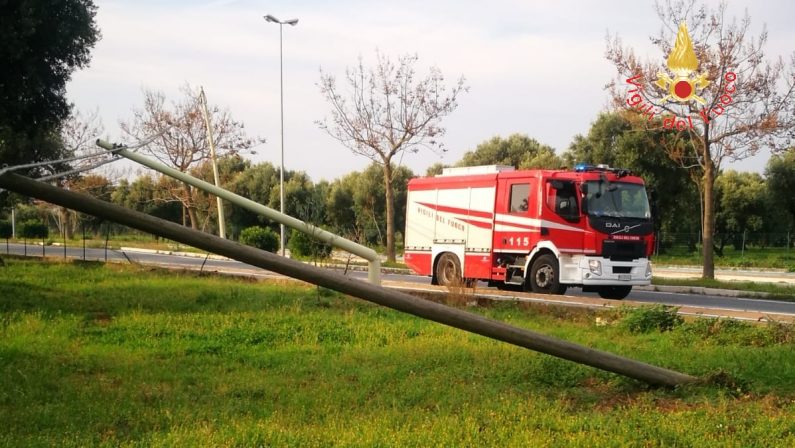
(448, 270)
(614, 292)
(545, 276)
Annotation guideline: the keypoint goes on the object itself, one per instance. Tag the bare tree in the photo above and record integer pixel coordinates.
(715, 88)
(179, 136)
(78, 133)
(387, 110)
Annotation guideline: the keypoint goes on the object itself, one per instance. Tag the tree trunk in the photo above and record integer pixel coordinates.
(390, 212)
(194, 219)
(66, 227)
(708, 231)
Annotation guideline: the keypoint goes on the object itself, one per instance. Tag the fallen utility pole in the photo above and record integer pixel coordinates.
(393, 299)
(374, 271)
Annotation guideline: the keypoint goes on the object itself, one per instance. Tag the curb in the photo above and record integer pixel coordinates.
(170, 252)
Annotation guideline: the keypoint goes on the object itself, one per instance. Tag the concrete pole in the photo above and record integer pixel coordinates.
(425, 309)
(220, 202)
(281, 165)
(368, 254)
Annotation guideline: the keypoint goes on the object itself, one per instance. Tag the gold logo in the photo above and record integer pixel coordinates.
(682, 62)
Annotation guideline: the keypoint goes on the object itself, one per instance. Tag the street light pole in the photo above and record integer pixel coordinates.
(291, 22)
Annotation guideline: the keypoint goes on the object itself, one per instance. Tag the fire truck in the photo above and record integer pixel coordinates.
(538, 230)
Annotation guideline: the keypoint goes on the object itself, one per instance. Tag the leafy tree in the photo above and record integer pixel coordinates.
(177, 136)
(229, 167)
(744, 103)
(354, 205)
(256, 183)
(435, 169)
(145, 195)
(304, 245)
(5, 229)
(341, 214)
(618, 139)
(518, 150)
(386, 111)
(260, 237)
(780, 173)
(742, 207)
(96, 186)
(33, 229)
(44, 41)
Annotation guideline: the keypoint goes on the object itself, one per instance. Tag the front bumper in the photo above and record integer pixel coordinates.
(599, 271)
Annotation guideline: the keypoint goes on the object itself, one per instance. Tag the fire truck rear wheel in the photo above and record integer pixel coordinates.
(448, 270)
(545, 276)
(614, 292)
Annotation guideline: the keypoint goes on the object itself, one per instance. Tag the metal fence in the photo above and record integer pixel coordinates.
(725, 243)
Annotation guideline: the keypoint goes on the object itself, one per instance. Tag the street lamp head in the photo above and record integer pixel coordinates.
(270, 18)
(292, 22)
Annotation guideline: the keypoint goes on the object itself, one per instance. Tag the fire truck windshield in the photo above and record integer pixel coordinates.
(617, 200)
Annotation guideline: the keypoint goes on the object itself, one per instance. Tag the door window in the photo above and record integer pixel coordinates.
(520, 194)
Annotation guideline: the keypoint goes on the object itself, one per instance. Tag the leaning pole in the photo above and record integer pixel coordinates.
(453, 317)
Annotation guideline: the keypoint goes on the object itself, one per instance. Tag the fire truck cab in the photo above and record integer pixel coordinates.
(540, 230)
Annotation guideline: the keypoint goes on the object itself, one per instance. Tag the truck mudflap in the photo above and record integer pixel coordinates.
(599, 271)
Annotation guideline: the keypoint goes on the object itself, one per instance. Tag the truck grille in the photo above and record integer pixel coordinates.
(623, 250)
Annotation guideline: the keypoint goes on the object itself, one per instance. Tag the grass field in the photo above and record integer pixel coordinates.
(126, 356)
(754, 258)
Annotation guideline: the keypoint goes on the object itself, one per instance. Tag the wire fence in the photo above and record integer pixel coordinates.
(738, 243)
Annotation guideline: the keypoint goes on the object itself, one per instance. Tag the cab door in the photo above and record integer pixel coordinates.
(562, 222)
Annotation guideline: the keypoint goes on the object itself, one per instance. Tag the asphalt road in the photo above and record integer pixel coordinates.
(235, 267)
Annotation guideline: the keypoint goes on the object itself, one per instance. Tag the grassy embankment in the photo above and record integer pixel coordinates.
(119, 355)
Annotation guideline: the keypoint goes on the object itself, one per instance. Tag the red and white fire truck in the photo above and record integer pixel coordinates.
(541, 230)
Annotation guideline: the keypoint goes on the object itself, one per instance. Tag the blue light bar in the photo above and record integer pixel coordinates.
(582, 167)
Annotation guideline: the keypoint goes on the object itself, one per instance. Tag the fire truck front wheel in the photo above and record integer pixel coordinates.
(544, 276)
(448, 270)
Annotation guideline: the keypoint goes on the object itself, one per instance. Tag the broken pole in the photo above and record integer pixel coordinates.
(453, 317)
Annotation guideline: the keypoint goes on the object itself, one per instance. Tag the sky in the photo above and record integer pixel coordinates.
(532, 67)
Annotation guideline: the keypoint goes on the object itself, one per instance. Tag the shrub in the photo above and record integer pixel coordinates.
(304, 245)
(5, 230)
(650, 318)
(260, 237)
(34, 229)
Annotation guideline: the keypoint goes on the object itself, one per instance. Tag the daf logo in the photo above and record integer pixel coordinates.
(626, 229)
(613, 225)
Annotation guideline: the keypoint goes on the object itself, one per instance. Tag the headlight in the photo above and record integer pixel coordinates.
(595, 266)
(648, 269)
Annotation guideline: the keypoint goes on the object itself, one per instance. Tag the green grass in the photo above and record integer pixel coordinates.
(776, 291)
(753, 258)
(130, 356)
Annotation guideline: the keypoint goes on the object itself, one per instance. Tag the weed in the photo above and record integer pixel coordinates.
(727, 381)
(460, 293)
(723, 332)
(650, 318)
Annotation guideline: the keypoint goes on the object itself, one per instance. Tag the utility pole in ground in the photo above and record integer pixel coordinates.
(211, 142)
